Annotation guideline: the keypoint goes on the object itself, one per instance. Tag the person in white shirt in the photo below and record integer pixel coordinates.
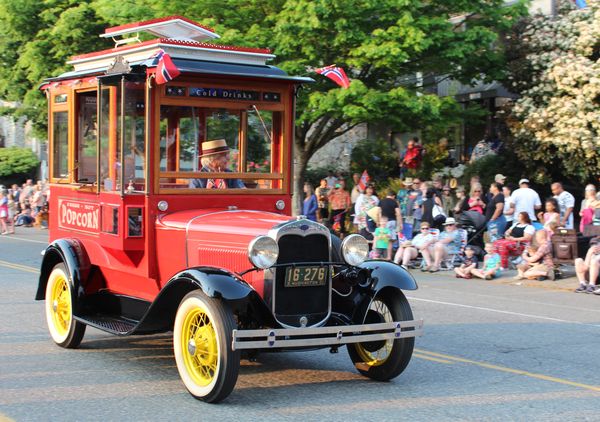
(508, 211)
(331, 180)
(566, 203)
(526, 200)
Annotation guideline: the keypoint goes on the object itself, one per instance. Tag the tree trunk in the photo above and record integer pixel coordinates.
(300, 163)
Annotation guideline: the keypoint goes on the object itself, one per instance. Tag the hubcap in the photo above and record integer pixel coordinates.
(192, 347)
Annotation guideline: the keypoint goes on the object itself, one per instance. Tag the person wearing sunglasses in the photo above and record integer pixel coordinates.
(409, 249)
(476, 201)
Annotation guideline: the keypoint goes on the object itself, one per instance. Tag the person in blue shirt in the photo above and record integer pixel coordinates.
(309, 207)
(215, 158)
(449, 243)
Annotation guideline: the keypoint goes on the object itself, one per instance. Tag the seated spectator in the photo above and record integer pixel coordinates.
(515, 238)
(537, 259)
(409, 250)
(470, 263)
(24, 218)
(449, 243)
(491, 264)
(591, 267)
(550, 218)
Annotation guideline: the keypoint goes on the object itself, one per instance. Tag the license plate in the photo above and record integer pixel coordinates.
(305, 276)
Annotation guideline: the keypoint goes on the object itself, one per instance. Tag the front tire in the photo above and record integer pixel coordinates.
(386, 359)
(202, 338)
(64, 329)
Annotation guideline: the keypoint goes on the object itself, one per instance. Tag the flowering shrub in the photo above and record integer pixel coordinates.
(258, 167)
(556, 122)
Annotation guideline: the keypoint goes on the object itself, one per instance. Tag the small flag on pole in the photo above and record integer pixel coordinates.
(364, 179)
(336, 74)
(165, 68)
(580, 3)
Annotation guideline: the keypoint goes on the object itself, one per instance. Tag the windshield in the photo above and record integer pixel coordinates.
(208, 148)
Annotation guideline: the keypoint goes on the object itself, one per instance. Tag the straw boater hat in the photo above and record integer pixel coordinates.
(215, 146)
(408, 181)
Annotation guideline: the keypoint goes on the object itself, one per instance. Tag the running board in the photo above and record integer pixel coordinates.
(118, 326)
(324, 336)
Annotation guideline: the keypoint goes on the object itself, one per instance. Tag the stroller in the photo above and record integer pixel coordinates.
(474, 224)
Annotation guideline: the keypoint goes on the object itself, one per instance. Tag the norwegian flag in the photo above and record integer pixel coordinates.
(336, 74)
(165, 68)
(364, 179)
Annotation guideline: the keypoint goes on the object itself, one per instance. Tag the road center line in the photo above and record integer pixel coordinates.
(19, 267)
(481, 308)
(510, 370)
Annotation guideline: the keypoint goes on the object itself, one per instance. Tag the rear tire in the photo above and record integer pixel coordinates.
(202, 338)
(386, 359)
(64, 329)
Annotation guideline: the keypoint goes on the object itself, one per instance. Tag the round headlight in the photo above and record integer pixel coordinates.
(263, 252)
(355, 249)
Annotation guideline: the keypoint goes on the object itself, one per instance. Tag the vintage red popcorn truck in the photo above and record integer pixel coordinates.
(170, 210)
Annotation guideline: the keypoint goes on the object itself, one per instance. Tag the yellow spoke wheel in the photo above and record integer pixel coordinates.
(202, 337)
(385, 359)
(65, 331)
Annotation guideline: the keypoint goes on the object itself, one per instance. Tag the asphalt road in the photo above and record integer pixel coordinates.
(491, 351)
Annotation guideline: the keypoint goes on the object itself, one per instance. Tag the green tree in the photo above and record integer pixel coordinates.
(381, 44)
(17, 161)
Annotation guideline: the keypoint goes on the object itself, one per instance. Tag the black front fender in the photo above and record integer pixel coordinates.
(388, 274)
(71, 253)
(214, 282)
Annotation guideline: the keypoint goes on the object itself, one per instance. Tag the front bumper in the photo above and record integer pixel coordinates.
(290, 338)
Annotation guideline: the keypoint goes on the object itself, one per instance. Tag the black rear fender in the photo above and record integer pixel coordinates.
(71, 253)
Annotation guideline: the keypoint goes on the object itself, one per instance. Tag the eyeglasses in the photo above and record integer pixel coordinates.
(476, 191)
(424, 228)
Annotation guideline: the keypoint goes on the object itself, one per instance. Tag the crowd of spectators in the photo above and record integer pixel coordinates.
(426, 219)
(25, 206)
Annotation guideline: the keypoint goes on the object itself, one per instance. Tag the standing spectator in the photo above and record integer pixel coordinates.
(537, 259)
(390, 210)
(322, 193)
(508, 210)
(3, 211)
(365, 202)
(448, 201)
(356, 191)
(383, 240)
(309, 207)
(469, 264)
(494, 213)
(12, 212)
(515, 238)
(418, 202)
(491, 264)
(461, 198)
(38, 199)
(331, 179)
(411, 157)
(588, 205)
(16, 193)
(432, 209)
(449, 243)
(590, 266)
(339, 199)
(500, 179)
(475, 201)
(566, 204)
(525, 199)
(438, 185)
(402, 194)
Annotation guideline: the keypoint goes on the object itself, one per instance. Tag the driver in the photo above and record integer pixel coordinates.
(215, 158)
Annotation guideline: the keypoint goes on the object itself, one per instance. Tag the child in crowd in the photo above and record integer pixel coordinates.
(491, 264)
(551, 218)
(382, 239)
(24, 218)
(470, 263)
(537, 259)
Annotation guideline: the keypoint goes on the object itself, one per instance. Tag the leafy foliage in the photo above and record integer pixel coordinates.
(555, 66)
(376, 157)
(15, 160)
